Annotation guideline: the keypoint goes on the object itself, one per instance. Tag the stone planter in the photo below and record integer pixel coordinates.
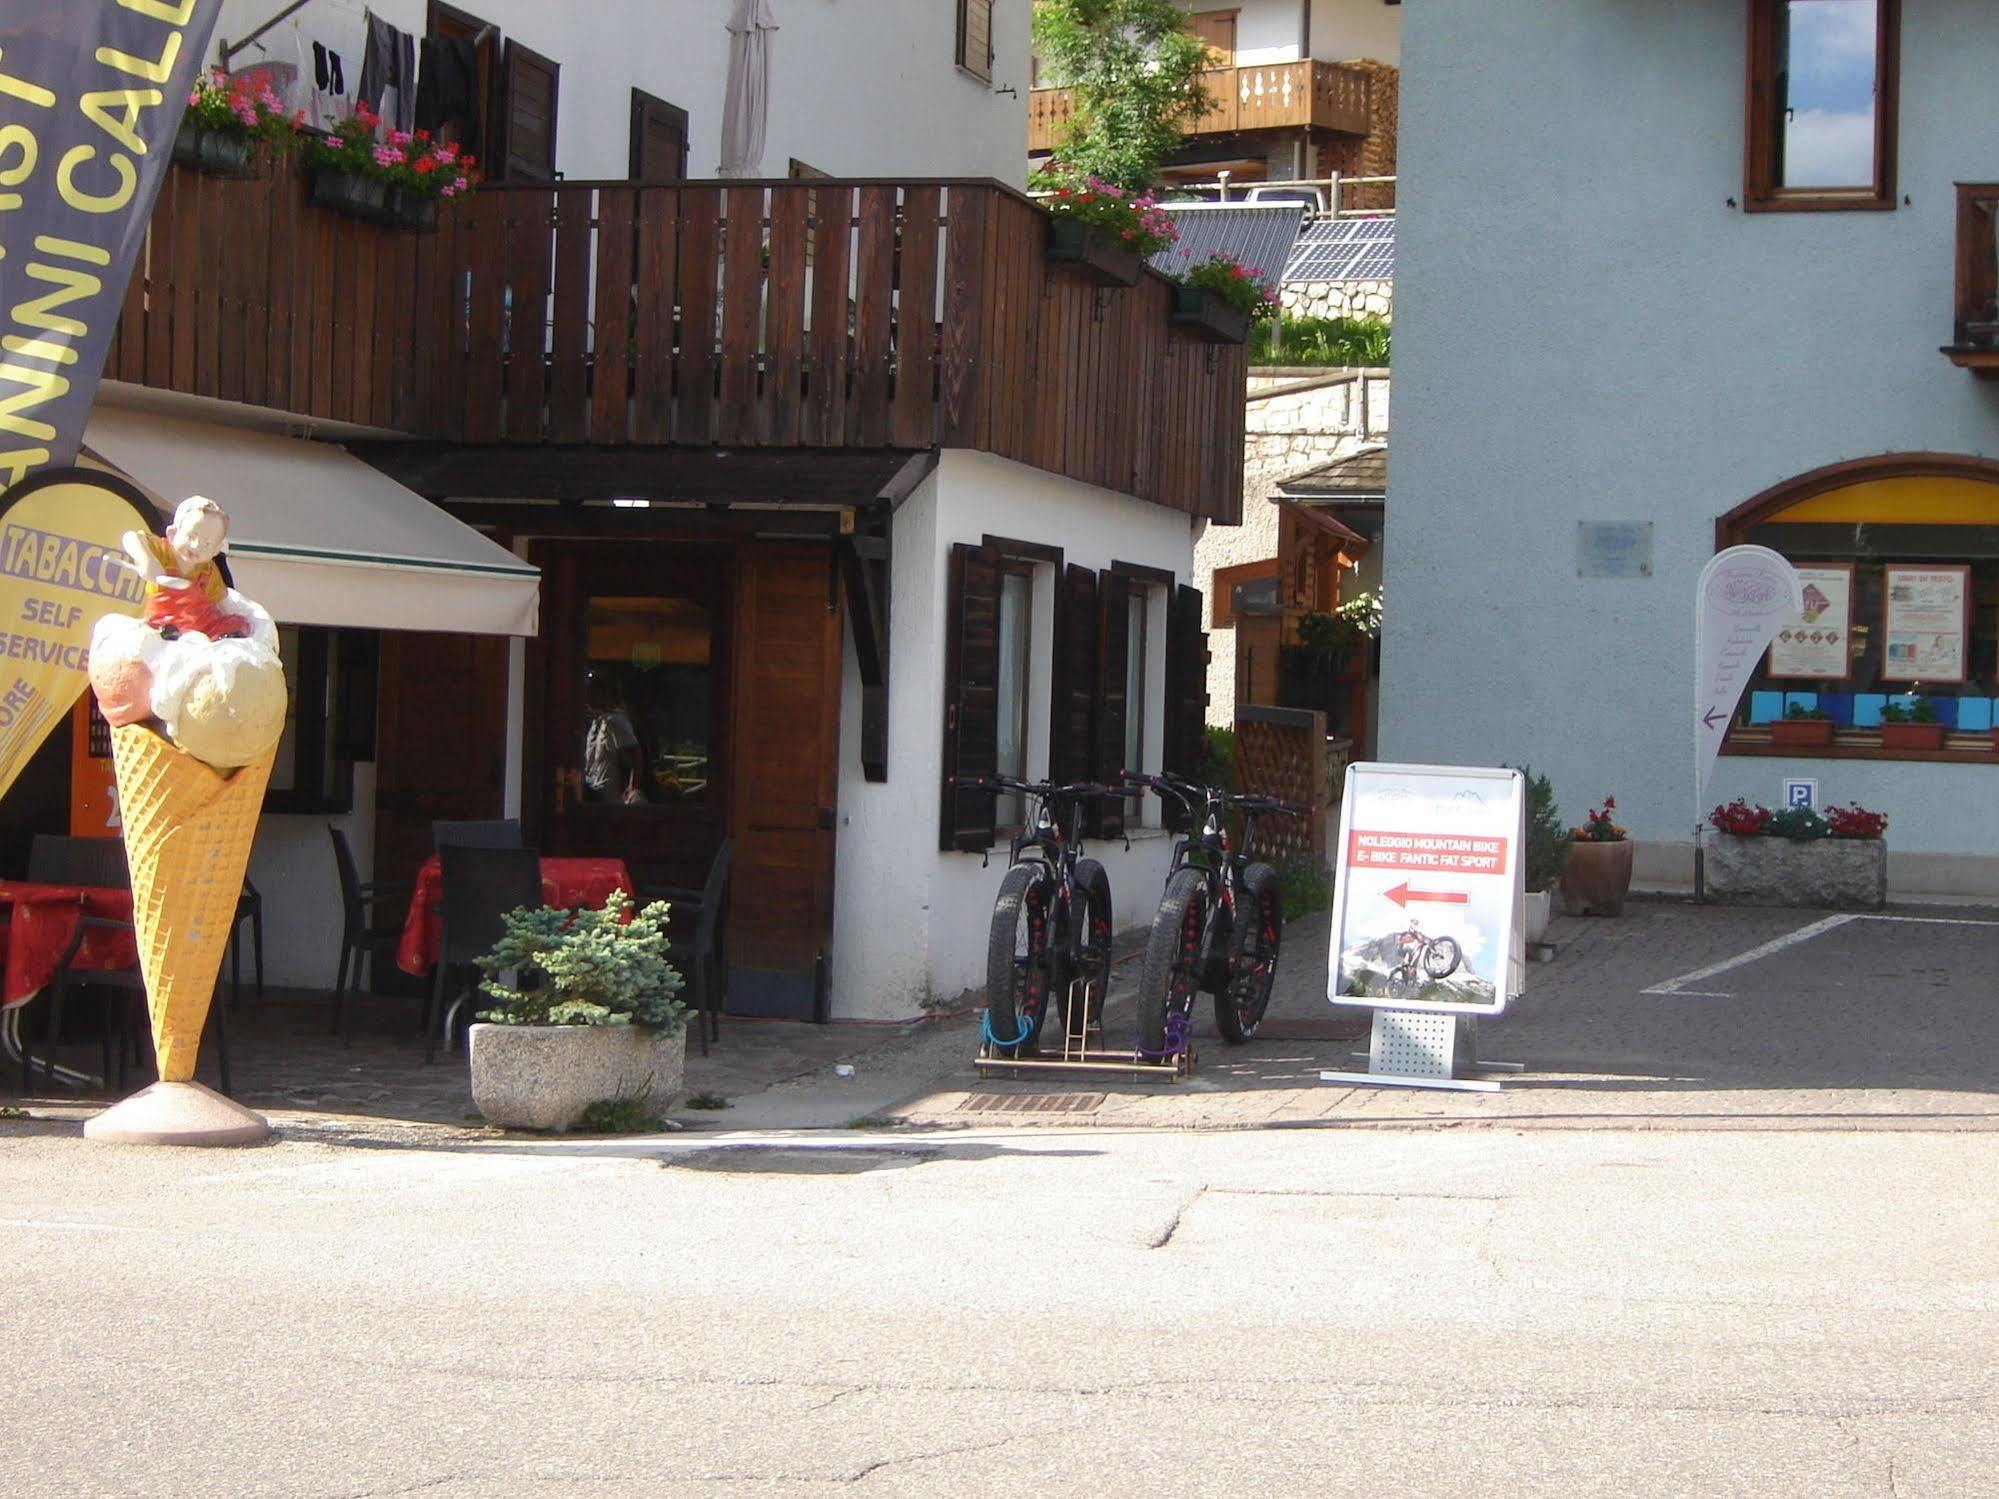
(1912, 736)
(1596, 877)
(211, 152)
(343, 192)
(1205, 315)
(1841, 874)
(1093, 252)
(545, 1076)
(1540, 908)
(1801, 731)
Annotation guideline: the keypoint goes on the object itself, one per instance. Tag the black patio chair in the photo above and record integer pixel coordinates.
(503, 832)
(704, 950)
(481, 885)
(250, 908)
(358, 938)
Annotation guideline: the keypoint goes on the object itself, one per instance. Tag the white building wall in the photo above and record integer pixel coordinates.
(909, 921)
(1346, 29)
(1587, 329)
(858, 87)
(291, 864)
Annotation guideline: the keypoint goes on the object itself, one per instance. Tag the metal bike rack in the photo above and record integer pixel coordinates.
(1079, 1056)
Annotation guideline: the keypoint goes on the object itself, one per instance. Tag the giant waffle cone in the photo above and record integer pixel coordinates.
(187, 837)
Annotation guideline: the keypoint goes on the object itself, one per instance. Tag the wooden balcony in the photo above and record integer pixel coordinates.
(1287, 95)
(1974, 341)
(827, 315)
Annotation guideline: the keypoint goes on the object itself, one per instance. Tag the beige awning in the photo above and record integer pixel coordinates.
(320, 538)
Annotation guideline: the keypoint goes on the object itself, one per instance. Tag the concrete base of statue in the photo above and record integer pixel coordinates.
(177, 1114)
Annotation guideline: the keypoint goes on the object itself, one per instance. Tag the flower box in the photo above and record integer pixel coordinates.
(1801, 731)
(416, 212)
(1093, 252)
(1596, 877)
(1912, 736)
(1832, 873)
(211, 152)
(1207, 316)
(356, 196)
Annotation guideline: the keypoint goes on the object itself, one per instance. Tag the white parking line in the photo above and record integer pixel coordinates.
(1677, 987)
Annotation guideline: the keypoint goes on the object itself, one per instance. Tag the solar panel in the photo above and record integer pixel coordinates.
(1344, 250)
(1259, 236)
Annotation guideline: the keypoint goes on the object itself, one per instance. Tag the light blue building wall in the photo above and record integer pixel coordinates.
(1586, 330)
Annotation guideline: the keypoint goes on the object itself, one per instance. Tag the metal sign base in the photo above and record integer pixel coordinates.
(1419, 1049)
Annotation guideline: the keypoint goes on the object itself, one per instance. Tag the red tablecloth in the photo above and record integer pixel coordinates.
(564, 882)
(40, 922)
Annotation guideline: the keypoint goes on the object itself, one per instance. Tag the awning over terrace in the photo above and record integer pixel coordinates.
(320, 538)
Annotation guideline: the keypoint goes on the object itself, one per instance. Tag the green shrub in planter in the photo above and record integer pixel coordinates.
(1548, 837)
(585, 968)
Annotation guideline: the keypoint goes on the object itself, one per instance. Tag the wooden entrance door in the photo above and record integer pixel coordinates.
(634, 673)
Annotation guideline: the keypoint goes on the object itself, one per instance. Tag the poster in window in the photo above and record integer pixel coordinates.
(1818, 643)
(1928, 614)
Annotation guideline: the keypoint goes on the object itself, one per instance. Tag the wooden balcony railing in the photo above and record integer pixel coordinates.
(828, 314)
(1974, 341)
(1286, 95)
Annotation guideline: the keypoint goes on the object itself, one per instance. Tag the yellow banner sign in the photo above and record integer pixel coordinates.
(60, 536)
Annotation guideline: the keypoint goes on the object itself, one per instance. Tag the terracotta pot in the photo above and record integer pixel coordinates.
(1596, 877)
(1801, 731)
(1912, 736)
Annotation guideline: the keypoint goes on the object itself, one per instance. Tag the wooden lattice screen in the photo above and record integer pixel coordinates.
(1282, 752)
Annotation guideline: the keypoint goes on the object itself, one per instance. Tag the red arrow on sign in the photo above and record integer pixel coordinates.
(1402, 895)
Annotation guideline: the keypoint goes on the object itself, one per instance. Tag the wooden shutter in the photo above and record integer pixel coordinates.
(1186, 689)
(527, 115)
(971, 695)
(1073, 683)
(1217, 29)
(659, 139)
(1113, 649)
(975, 37)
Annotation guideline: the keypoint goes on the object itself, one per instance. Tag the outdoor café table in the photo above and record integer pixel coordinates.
(564, 883)
(41, 921)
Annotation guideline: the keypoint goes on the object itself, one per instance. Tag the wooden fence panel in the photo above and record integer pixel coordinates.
(611, 364)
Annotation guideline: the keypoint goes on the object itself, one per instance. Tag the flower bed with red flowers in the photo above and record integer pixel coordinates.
(1741, 819)
(1243, 287)
(1133, 220)
(1856, 822)
(411, 162)
(1600, 826)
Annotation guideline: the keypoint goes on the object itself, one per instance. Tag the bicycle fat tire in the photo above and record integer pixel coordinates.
(1089, 943)
(1253, 946)
(1441, 957)
(1019, 966)
(1170, 976)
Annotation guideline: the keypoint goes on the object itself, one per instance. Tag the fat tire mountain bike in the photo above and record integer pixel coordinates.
(1219, 926)
(1051, 929)
(1423, 960)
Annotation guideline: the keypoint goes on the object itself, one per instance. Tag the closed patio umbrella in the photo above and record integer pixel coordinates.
(746, 103)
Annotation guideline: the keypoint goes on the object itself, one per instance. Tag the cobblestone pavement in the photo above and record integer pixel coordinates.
(1844, 1022)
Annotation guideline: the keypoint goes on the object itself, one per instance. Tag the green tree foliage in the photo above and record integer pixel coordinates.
(1134, 67)
(1547, 836)
(608, 967)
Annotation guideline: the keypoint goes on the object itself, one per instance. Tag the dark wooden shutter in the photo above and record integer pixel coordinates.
(1073, 683)
(1186, 690)
(971, 695)
(975, 37)
(659, 139)
(1113, 649)
(527, 115)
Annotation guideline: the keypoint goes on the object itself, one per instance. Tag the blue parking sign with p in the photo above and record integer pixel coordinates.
(1801, 793)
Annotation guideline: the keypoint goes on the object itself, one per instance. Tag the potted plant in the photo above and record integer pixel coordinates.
(1802, 726)
(1309, 671)
(226, 119)
(1797, 857)
(1596, 871)
(587, 1012)
(396, 179)
(1911, 725)
(1101, 229)
(1547, 850)
(1219, 298)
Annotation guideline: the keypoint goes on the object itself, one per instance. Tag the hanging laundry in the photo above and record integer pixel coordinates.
(388, 61)
(447, 91)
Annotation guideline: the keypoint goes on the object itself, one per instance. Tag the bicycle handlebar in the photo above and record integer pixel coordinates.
(994, 784)
(1185, 792)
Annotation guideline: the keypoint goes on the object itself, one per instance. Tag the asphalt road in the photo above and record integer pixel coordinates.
(1385, 1312)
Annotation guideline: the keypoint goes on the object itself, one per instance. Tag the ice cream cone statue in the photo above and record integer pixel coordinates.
(195, 696)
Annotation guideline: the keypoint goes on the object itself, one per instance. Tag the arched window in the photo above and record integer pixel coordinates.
(1900, 560)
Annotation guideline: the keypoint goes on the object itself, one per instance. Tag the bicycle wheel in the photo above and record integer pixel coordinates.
(1402, 980)
(1171, 974)
(1259, 931)
(1087, 967)
(1019, 961)
(1441, 957)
